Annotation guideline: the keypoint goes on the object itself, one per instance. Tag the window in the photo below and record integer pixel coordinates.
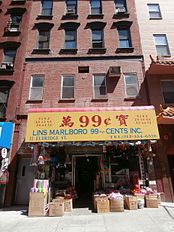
(161, 45)
(47, 7)
(14, 23)
(97, 38)
(9, 56)
(4, 91)
(71, 6)
(70, 39)
(43, 39)
(100, 88)
(131, 85)
(154, 11)
(124, 38)
(168, 91)
(96, 7)
(67, 87)
(120, 6)
(36, 88)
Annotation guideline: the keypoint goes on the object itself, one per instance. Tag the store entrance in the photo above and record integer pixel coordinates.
(171, 167)
(86, 168)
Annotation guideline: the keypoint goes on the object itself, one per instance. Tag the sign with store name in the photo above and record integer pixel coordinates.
(55, 126)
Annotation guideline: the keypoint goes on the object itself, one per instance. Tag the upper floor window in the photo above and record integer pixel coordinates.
(131, 85)
(4, 91)
(124, 38)
(120, 6)
(96, 7)
(14, 23)
(36, 88)
(67, 87)
(100, 88)
(43, 39)
(47, 7)
(9, 55)
(161, 45)
(168, 91)
(71, 6)
(70, 39)
(154, 11)
(97, 38)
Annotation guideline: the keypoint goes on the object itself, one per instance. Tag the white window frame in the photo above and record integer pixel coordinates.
(135, 85)
(162, 45)
(102, 97)
(61, 92)
(39, 88)
(151, 12)
(167, 80)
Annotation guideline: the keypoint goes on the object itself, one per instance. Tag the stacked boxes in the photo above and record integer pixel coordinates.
(130, 202)
(37, 204)
(116, 205)
(152, 201)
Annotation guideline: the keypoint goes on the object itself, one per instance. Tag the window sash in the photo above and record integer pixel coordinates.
(9, 56)
(36, 88)
(97, 39)
(96, 7)
(168, 91)
(124, 38)
(154, 11)
(161, 45)
(70, 39)
(67, 87)
(47, 7)
(131, 85)
(100, 88)
(43, 39)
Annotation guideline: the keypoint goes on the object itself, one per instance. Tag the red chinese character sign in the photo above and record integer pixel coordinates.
(95, 124)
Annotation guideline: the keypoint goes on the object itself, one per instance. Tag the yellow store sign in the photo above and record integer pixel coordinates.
(55, 125)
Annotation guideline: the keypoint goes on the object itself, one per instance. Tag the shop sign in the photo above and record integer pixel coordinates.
(6, 132)
(134, 124)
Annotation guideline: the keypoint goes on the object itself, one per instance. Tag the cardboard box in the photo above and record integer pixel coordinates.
(68, 205)
(96, 197)
(102, 205)
(152, 201)
(56, 209)
(37, 202)
(58, 199)
(130, 202)
(116, 205)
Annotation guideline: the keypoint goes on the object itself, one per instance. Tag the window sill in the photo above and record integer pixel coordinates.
(120, 15)
(49, 17)
(99, 99)
(124, 50)
(70, 16)
(97, 51)
(41, 51)
(68, 51)
(17, 2)
(67, 100)
(159, 18)
(33, 101)
(6, 71)
(11, 33)
(95, 16)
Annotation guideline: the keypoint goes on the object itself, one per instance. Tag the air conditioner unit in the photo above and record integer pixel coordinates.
(114, 71)
(120, 9)
(71, 11)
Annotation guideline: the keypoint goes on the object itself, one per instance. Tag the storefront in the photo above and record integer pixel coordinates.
(84, 150)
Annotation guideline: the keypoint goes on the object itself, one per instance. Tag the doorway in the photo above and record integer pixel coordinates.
(25, 178)
(85, 169)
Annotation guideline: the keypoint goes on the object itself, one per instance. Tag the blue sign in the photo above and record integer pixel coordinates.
(6, 132)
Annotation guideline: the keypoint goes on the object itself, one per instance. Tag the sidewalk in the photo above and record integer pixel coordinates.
(83, 220)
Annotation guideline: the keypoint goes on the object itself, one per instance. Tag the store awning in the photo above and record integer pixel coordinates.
(91, 124)
(166, 116)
